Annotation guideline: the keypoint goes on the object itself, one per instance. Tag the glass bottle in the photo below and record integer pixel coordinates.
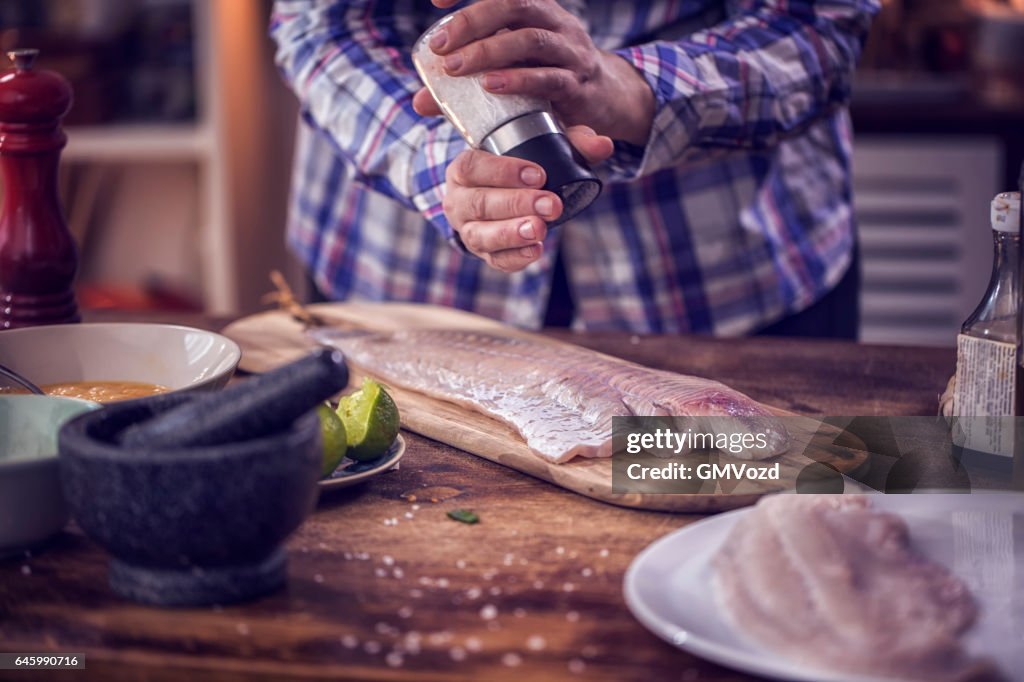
(986, 370)
(995, 318)
(1019, 403)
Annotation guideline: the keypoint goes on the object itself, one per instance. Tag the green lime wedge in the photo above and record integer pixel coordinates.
(335, 440)
(371, 421)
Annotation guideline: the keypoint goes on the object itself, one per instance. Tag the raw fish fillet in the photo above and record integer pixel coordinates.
(830, 582)
(559, 398)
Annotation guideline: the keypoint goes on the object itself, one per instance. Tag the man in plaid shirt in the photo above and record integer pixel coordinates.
(718, 126)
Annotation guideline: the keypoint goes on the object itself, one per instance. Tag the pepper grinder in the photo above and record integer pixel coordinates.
(38, 257)
(508, 125)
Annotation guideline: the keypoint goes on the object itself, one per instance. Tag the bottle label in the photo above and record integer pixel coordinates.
(986, 374)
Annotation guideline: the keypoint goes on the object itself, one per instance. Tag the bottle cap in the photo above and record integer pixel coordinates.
(1006, 212)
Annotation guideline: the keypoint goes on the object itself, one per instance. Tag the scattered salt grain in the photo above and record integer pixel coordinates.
(577, 666)
(568, 587)
(460, 564)
(474, 644)
(473, 593)
(457, 653)
(437, 638)
(349, 641)
(322, 545)
(381, 573)
(26, 570)
(442, 582)
(587, 572)
(536, 643)
(405, 612)
(603, 553)
(348, 556)
(572, 616)
(495, 591)
(388, 561)
(415, 507)
(363, 556)
(412, 642)
(416, 594)
(489, 612)
(409, 515)
(318, 578)
(538, 584)
(373, 648)
(382, 628)
(511, 660)
(398, 573)
(242, 628)
(394, 659)
(425, 581)
(560, 550)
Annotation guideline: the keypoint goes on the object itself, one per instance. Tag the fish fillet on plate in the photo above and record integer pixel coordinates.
(559, 398)
(831, 582)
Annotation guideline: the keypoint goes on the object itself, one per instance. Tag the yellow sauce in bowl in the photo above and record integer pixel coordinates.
(99, 391)
(104, 391)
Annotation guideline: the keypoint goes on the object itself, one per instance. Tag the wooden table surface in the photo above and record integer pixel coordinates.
(383, 586)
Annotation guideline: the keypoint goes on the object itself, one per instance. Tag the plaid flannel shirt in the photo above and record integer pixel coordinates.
(735, 213)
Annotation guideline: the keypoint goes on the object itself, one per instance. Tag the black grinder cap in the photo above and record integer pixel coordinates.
(537, 137)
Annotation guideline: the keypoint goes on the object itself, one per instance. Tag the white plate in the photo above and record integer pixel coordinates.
(979, 537)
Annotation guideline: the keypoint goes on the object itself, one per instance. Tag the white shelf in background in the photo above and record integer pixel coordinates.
(142, 142)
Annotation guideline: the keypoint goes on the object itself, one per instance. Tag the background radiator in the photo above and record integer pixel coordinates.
(922, 208)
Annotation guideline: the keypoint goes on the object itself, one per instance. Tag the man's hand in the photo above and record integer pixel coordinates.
(535, 47)
(496, 205)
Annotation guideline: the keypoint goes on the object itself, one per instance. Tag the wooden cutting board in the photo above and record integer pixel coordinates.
(271, 339)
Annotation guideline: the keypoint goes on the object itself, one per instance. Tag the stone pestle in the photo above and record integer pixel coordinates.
(260, 406)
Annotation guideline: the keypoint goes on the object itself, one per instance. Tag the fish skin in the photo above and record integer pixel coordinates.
(559, 398)
(830, 582)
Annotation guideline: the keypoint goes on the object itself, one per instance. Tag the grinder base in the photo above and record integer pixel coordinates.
(568, 174)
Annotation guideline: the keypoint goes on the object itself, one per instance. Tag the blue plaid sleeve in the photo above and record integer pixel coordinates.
(349, 65)
(770, 70)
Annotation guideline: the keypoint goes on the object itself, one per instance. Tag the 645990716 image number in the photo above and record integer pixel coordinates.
(41, 661)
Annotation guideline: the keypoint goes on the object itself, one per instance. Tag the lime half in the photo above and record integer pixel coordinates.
(371, 421)
(335, 440)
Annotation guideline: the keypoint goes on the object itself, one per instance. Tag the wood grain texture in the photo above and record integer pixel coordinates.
(271, 339)
(58, 599)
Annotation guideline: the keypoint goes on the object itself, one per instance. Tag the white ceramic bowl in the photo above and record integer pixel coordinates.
(180, 358)
(32, 507)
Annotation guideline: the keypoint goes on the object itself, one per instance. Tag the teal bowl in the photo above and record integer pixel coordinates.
(32, 506)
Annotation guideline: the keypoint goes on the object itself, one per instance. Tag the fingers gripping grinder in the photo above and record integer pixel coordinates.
(508, 125)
